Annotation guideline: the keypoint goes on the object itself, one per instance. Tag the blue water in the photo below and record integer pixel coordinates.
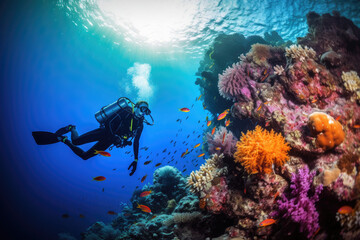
(60, 63)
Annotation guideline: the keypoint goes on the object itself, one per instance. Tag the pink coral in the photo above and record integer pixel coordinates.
(215, 142)
(218, 196)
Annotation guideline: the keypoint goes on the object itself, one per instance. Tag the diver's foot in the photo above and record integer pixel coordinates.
(62, 138)
(64, 130)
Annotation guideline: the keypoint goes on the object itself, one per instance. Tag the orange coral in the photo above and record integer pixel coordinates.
(258, 150)
(329, 132)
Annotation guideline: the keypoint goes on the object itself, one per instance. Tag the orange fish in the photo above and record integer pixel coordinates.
(314, 101)
(263, 78)
(223, 114)
(144, 208)
(338, 118)
(144, 194)
(267, 222)
(218, 148)
(208, 123)
(213, 131)
(223, 139)
(345, 210)
(184, 153)
(201, 155)
(356, 126)
(265, 72)
(259, 108)
(266, 102)
(111, 213)
(197, 145)
(276, 195)
(199, 97)
(204, 107)
(153, 217)
(184, 110)
(143, 178)
(102, 153)
(227, 123)
(99, 178)
(202, 203)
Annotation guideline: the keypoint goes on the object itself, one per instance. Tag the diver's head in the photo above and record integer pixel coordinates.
(141, 109)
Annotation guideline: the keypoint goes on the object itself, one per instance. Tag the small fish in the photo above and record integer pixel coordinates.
(208, 123)
(314, 101)
(267, 222)
(99, 178)
(316, 232)
(223, 138)
(153, 217)
(247, 72)
(184, 170)
(345, 210)
(356, 126)
(259, 108)
(157, 164)
(218, 148)
(276, 195)
(103, 189)
(197, 145)
(102, 153)
(202, 203)
(143, 178)
(81, 216)
(144, 194)
(213, 131)
(245, 190)
(184, 110)
(267, 102)
(264, 77)
(184, 153)
(127, 214)
(201, 155)
(227, 123)
(111, 213)
(65, 215)
(223, 114)
(199, 97)
(123, 186)
(338, 118)
(144, 208)
(164, 150)
(265, 72)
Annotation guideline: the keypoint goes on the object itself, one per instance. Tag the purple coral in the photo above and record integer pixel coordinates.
(234, 82)
(228, 147)
(300, 207)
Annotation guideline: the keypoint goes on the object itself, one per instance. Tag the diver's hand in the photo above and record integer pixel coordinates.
(133, 165)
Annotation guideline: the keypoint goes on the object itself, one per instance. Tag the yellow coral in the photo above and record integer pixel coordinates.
(258, 150)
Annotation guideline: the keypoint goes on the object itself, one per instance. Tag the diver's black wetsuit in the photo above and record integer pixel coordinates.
(115, 127)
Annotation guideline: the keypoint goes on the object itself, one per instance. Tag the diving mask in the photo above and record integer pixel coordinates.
(145, 110)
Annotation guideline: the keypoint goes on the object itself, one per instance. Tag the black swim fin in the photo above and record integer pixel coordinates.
(44, 138)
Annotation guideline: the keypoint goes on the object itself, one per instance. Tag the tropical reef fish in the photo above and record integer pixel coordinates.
(143, 178)
(144, 208)
(99, 178)
(208, 123)
(223, 138)
(197, 145)
(153, 217)
(345, 210)
(184, 110)
(111, 213)
(213, 131)
(201, 155)
(223, 114)
(218, 148)
(158, 164)
(227, 123)
(267, 222)
(144, 194)
(184, 153)
(147, 162)
(103, 153)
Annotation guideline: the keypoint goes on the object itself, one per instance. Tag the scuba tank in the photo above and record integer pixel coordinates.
(108, 111)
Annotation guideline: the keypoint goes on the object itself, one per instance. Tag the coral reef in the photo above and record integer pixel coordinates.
(259, 150)
(216, 144)
(300, 208)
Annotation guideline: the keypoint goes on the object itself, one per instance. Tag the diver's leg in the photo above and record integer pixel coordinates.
(100, 146)
(92, 136)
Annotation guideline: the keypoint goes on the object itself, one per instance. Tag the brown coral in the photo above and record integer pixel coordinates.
(258, 150)
(261, 53)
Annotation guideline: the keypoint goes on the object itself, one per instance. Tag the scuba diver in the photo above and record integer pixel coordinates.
(120, 122)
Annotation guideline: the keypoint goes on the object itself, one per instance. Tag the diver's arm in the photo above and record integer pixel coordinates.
(136, 142)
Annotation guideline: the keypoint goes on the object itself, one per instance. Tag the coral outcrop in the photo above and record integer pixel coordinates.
(259, 150)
